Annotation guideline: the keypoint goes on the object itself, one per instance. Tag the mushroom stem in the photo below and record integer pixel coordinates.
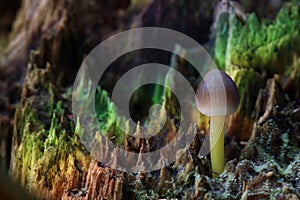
(217, 144)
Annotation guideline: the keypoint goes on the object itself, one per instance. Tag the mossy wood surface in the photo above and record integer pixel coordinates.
(40, 143)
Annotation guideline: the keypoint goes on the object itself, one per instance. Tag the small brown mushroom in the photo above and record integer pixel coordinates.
(217, 96)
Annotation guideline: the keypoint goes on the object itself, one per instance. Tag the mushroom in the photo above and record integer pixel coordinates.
(217, 96)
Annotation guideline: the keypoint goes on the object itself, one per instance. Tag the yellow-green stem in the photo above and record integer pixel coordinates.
(217, 144)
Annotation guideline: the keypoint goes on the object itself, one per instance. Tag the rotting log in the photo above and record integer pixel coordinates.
(51, 163)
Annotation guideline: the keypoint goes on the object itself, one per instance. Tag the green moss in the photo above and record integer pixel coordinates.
(248, 82)
(108, 117)
(157, 94)
(169, 99)
(56, 127)
(221, 40)
(106, 110)
(48, 145)
(259, 46)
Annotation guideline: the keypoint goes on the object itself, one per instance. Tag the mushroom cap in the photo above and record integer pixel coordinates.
(217, 94)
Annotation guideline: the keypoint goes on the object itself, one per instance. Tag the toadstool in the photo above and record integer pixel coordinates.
(217, 96)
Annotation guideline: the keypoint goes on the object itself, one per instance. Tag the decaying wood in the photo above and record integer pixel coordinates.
(63, 31)
(48, 158)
